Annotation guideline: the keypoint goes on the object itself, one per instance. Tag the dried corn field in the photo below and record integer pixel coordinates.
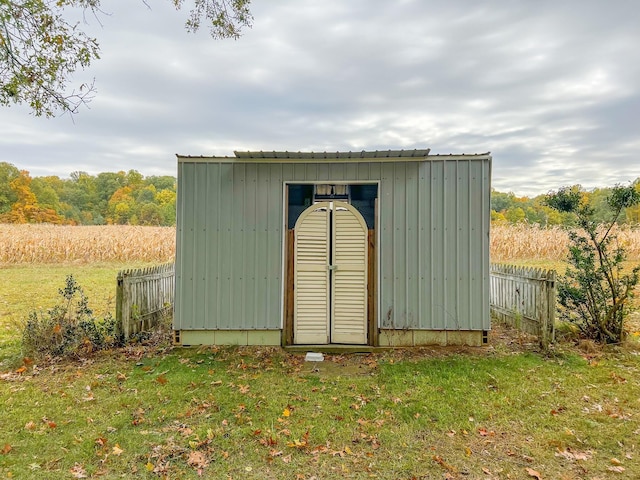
(117, 243)
(525, 242)
(36, 243)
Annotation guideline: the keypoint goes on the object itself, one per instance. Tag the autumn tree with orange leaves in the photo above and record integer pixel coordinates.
(26, 208)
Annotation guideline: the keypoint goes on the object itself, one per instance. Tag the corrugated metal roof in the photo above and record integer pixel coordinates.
(321, 155)
(416, 155)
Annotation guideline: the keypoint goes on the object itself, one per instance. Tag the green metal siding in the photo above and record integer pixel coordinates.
(433, 228)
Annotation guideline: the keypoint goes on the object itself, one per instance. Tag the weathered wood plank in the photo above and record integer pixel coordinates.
(143, 297)
(526, 298)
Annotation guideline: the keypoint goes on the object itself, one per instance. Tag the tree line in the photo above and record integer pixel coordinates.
(82, 199)
(507, 208)
(130, 198)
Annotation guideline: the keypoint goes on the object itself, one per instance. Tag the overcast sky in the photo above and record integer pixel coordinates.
(551, 88)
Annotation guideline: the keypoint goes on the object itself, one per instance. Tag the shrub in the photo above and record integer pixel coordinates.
(595, 292)
(69, 328)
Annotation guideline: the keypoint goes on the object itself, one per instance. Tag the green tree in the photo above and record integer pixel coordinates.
(164, 182)
(45, 193)
(121, 207)
(146, 195)
(150, 214)
(167, 200)
(106, 185)
(515, 215)
(8, 173)
(633, 212)
(41, 48)
(26, 208)
(595, 292)
(502, 201)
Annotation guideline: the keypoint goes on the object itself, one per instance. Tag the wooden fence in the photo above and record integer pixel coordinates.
(143, 297)
(525, 298)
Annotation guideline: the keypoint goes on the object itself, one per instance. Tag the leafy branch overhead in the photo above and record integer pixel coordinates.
(41, 48)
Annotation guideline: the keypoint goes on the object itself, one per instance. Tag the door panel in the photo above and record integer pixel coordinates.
(311, 277)
(349, 282)
(330, 275)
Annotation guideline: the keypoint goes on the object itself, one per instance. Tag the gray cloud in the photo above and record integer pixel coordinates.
(552, 89)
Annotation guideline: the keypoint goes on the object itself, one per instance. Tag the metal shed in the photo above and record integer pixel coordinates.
(379, 248)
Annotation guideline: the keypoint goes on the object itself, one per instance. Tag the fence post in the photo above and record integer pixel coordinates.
(119, 300)
(551, 313)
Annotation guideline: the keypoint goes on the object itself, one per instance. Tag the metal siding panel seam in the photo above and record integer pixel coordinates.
(386, 247)
(200, 248)
(238, 249)
(399, 246)
(250, 290)
(449, 253)
(226, 257)
(190, 251)
(437, 263)
(275, 264)
(179, 290)
(412, 244)
(213, 245)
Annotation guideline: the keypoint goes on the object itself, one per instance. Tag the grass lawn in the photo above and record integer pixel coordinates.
(25, 288)
(496, 412)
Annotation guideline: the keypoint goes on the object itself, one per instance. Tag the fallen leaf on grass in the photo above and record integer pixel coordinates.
(6, 449)
(117, 450)
(78, 471)
(438, 459)
(161, 379)
(22, 369)
(286, 412)
(197, 459)
(50, 423)
(617, 378)
(617, 469)
(532, 473)
(573, 455)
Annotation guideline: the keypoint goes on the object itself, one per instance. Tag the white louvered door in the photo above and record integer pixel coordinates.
(349, 276)
(330, 275)
(311, 277)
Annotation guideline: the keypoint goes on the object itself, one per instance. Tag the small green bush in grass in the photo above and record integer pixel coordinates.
(69, 328)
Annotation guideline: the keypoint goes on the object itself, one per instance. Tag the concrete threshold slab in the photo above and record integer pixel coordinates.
(334, 348)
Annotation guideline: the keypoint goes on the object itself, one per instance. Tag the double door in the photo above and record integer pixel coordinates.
(330, 275)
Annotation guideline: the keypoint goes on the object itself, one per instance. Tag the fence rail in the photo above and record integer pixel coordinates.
(143, 297)
(525, 298)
